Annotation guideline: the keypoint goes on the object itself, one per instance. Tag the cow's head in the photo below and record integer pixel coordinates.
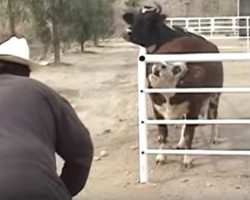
(167, 75)
(143, 25)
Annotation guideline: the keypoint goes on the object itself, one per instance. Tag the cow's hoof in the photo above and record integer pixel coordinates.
(162, 140)
(215, 141)
(188, 162)
(181, 144)
(160, 159)
(179, 147)
(188, 165)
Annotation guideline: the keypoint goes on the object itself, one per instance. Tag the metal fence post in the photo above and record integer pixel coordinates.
(142, 106)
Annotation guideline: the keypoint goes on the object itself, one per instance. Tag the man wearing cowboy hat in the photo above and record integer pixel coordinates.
(36, 123)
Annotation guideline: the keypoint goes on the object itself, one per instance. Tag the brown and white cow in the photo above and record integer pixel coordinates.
(147, 28)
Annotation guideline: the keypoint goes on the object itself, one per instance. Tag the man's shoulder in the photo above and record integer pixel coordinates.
(37, 86)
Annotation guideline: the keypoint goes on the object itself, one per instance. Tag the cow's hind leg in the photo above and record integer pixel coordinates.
(213, 114)
(162, 138)
(189, 133)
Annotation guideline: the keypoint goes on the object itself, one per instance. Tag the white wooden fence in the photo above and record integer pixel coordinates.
(216, 28)
(143, 59)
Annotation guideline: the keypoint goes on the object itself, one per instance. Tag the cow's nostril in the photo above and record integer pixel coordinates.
(176, 70)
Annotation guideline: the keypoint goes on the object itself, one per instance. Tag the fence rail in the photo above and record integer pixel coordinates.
(218, 28)
(200, 152)
(198, 90)
(200, 121)
(220, 24)
(197, 57)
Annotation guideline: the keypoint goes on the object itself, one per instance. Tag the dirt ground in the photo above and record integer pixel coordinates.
(102, 86)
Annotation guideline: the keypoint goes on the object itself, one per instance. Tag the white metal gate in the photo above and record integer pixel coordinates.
(143, 59)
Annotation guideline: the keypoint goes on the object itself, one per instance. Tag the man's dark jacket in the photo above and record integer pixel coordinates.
(35, 122)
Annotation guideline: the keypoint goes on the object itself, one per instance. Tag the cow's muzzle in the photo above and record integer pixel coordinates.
(156, 70)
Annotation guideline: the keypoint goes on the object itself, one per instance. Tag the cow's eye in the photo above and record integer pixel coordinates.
(163, 66)
(176, 70)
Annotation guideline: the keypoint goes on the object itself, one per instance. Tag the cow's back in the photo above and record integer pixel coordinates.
(200, 74)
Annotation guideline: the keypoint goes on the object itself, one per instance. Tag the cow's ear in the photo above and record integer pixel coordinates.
(128, 18)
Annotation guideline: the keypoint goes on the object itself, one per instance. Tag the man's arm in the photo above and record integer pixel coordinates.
(74, 145)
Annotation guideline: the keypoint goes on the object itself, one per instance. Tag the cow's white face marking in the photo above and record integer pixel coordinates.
(172, 111)
(167, 75)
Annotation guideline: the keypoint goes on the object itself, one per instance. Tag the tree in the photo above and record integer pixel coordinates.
(11, 9)
(57, 21)
(87, 20)
(76, 22)
(132, 3)
(102, 19)
(47, 15)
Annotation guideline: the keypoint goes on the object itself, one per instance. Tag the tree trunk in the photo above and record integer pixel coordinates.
(96, 44)
(82, 46)
(56, 43)
(11, 16)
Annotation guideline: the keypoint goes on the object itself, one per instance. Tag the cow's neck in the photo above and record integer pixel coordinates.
(164, 35)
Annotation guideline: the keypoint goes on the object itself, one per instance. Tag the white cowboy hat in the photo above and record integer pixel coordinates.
(16, 50)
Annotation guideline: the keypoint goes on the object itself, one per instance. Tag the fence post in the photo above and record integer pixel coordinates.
(248, 34)
(142, 107)
(234, 26)
(199, 26)
(212, 27)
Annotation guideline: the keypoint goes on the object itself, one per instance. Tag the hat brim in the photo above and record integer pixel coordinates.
(14, 59)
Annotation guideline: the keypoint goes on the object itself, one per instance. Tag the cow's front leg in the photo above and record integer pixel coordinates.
(162, 138)
(188, 136)
(214, 134)
(181, 143)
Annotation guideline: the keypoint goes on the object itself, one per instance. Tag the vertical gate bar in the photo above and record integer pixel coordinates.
(199, 25)
(212, 27)
(248, 34)
(142, 107)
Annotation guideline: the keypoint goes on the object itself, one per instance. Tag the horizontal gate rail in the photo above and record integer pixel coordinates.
(197, 57)
(198, 90)
(198, 121)
(199, 152)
